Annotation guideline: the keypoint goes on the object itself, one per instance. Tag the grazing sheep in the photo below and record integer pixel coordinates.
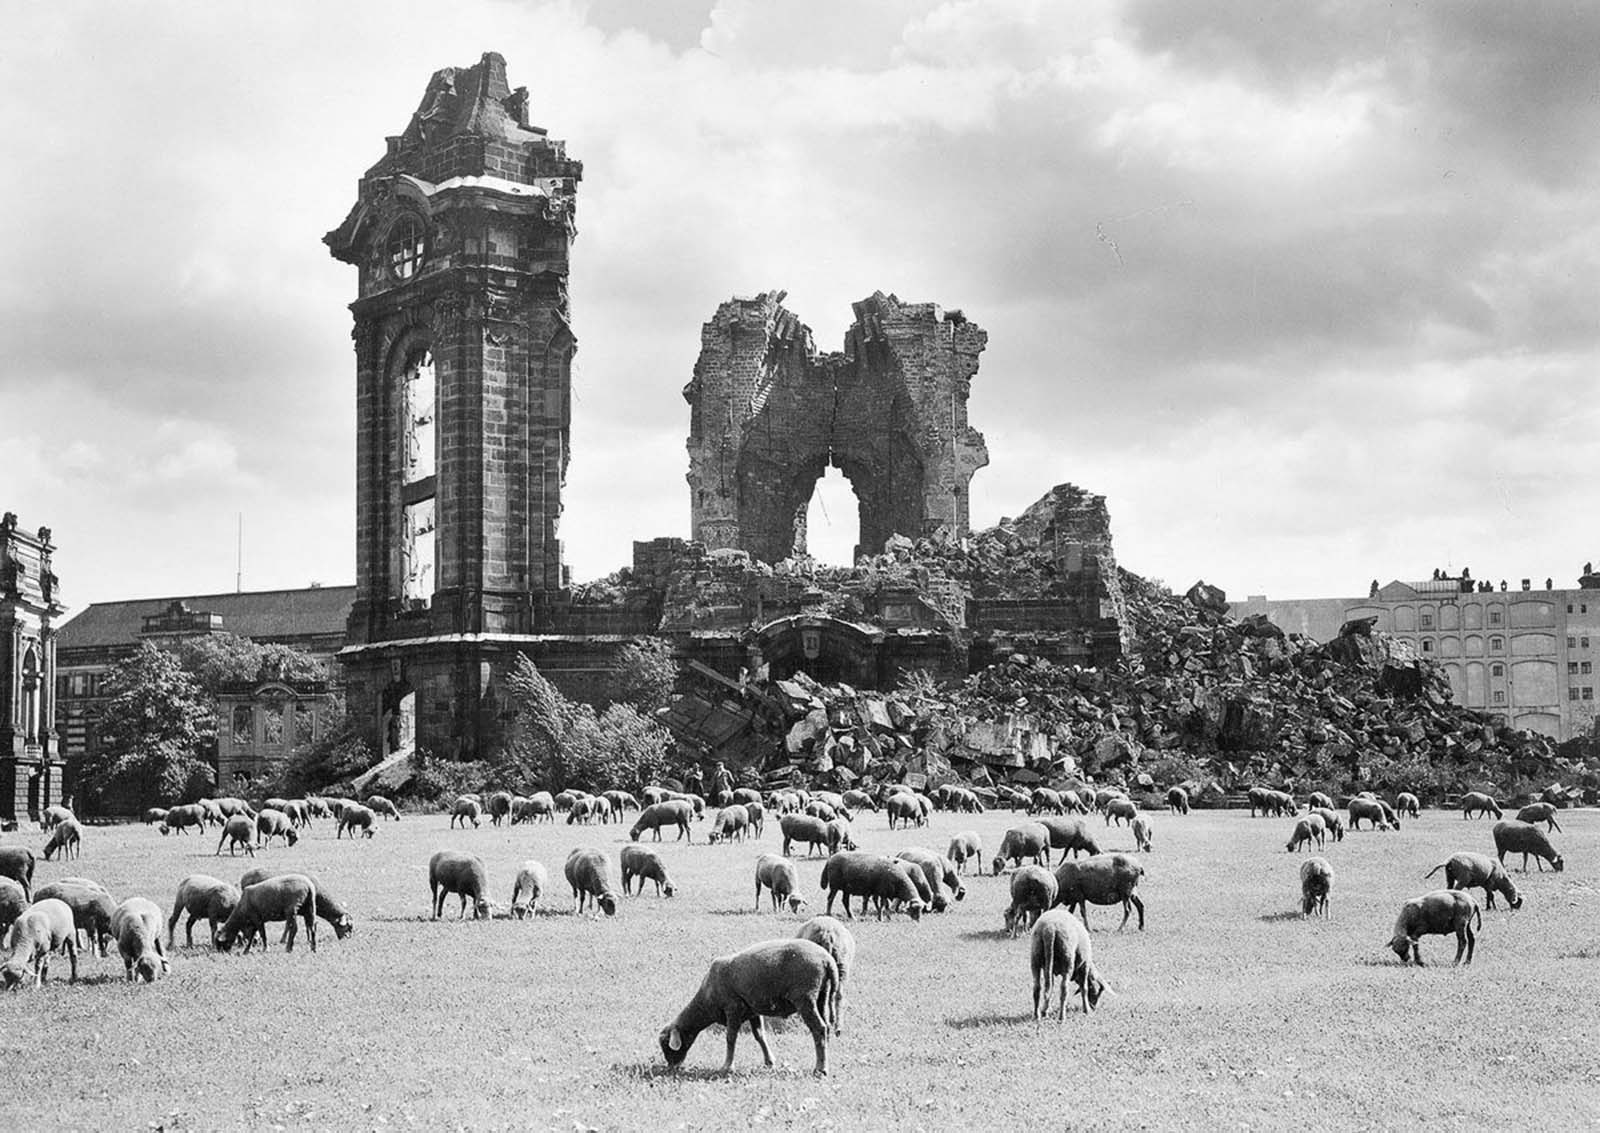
(776, 978)
(318, 806)
(1478, 871)
(1178, 800)
(779, 877)
(852, 873)
(1316, 880)
(840, 836)
(136, 923)
(12, 903)
(238, 831)
(1319, 800)
(565, 799)
(1122, 810)
(1435, 914)
(746, 795)
(461, 873)
(231, 807)
(965, 847)
(211, 811)
(1408, 804)
(180, 818)
(1108, 879)
(154, 815)
(1539, 812)
(532, 880)
(16, 862)
(1279, 803)
(621, 802)
(328, 907)
(812, 832)
(355, 817)
(940, 872)
(645, 864)
(1524, 838)
(466, 810)
(1013, 798)
(1029, 840)
(272, 824)
(91, 907)
(201, 896)
(1060, 949)
(280, 898)
(903, 806)
(589, 874)
(1309, 829)
(499, 807)
(1370, 809)
(758, 817)
(54, 816)
(275, 804)
(384, 807)
(299, 813)
(653, 794)
(833, 936)
(860, 800)
(1476, 802)
(1070, 835)
(731, 824)
(1033, 890)
(932, 900)
(1331, 822)
(1046, 799)
(541, 805)
(45, 928)
(1104, 796)
(66, 837)
(817, 808)
(1142, 834)
(696, 803)
(587, 808)
(674, 812)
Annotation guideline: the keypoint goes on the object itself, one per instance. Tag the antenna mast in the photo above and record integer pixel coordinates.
(238, 570)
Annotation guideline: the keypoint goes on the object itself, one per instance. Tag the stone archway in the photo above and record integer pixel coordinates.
(827, 649)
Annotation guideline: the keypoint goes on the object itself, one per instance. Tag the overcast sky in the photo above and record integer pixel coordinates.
(1309, 293)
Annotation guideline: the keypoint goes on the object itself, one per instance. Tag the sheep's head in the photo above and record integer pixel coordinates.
(939, 903)
(225, 938)
(343, 927)
(1558, 863)
(796, 902)
(293, 837)
(673, 1048)
(148, 968)
(1401, 945)
(914, 907)
(999, 864)
(607, 903)
(669, 889)
(1093, 987)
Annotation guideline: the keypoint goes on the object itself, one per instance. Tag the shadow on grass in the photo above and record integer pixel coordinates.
(745, 911)
(1277, 918)
(658, 1070)
(986, 934)
(984, 1022)
(1580, 954)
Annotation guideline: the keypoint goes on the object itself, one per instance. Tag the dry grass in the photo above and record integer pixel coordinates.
(1230, 1009)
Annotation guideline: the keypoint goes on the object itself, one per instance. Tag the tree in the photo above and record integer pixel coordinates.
(643, 675)
(152, 736)
(218, 659)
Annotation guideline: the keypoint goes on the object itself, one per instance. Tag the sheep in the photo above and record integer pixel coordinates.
(12, 903)
(1070, 835)
(1408, 804)
(1316, 879)
(230, 807)
(833, 936)
(238, 831)
(541, 805)
(91, 907)
(201, 896)
(1029, 840)
(154, 815)
(746, 795)
(566, 798)
(274, 804)
(43, 929)
(499, 807)
(466, 810)
(461, 873)
(903, 806)
(1046, 799)
(645, 864)
(817, 808)
(318, 806)
(54, 816)
(136, 923)
(1123, 810)
(1142, 834)
(852, 873)
(211, 812)
(280, 898)
(776, 978)
(1013, 798)
(1319, 800)
(589, 874)
(1370, 809)
(1178, 800)
(965, 847)
(758, 817)
(840, 836)
(1107, 879)
(586, 808)
(1435, 914)
(337, 807)
(812, 832)
(1331, 822)
(652, 794)
(940, 872)
(1309, 829)
(272, 824)
(1279, 803)
(1033, 890)
(1482, 804)
(696, 803)
(180, 818)
(621, 802)
(1480, 871)
(1524, 838)
(328, 907)
(382, 806)
(1059, 948)
(860, 800)
(353, 818)
(778, 876)
(1539, 812)
(532, 880)
(300, 814)
(66, 837)
(1103, 796)
(16, 862)
(730, 825)
(675, 812)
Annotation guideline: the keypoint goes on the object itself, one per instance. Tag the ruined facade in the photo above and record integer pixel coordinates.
(769, 415)
(30, 607)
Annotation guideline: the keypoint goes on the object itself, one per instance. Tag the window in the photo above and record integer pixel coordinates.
(1427, 645)
(1497, 645)
(1572, 692)
(244, 726)
(1584, 641)
(1569, 607)
(1494, 617)
(1497, 670)
(405, 247)
(1588, 692)
(1572, 666)
(1427, 620)
(1572, 642)
(1499, 696)
(1586, 668)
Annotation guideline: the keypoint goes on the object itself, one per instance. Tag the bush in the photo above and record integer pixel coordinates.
(340, 754)
(442, 780)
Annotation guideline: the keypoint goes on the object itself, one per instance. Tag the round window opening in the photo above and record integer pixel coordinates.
(406, 247)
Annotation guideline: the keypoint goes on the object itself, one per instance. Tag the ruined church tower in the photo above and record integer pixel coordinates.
(461, 235)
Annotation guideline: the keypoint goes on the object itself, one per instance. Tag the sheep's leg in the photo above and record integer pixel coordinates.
(819, 1035)
(731, 1023)
(288, 934)
(1138, 904)
(311, 926)
(759, 1030)
(72, 958)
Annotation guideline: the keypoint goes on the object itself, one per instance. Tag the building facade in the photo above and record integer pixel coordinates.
(30, 606)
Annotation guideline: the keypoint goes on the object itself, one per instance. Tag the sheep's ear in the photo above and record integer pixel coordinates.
(674, 1039)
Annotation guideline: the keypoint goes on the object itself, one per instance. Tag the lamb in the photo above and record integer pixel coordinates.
(272, 824)
(812, 832)
(1178, 800)
(940, 872)
(1033, 890)
(1480, 871)
(758, 817)
(1435, 914)
(1046, 799)
(43, 929)
(91, 907)
(965, 847)
(66, 837)
(1479, 803)
(353, 818)
(466, 810)
(870, 877)
(1029, 840)
(1370, 809)
(329, 908)
(1316, 879)
(589, 874)
(1060, 949)
(833, 936)
(13, 902)
(532, 881)
(903, 805)
(201, 896)
(16, 862)
(1309, 829)
(645, 864)
(54, 816)
(1331, 822)
(1069, 834)
(1539, 812)
(1408, 804)
(180, 818)
(280, 898)
(1107, 879)
(776, 978)
(779, 877)
(1524, 838)
(461, 873)
(730, 824)
(1142, 834)
(499, 807)
(385, 807)
(238, 831)
(1123, 810)
(136, 923)
(674, 812)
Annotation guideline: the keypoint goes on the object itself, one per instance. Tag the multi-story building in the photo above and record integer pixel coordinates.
(1528, 654)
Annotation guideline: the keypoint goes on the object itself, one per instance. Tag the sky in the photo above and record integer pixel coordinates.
(1307, 291)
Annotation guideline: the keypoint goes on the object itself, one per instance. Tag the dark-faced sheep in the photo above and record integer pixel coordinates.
(1307, 830)
(356, 818)
(467, 810)
(281, 898)
(13, 901)
(673, 813)
(461, 873)
(1476, 802)
(67, 838)
(781, 880)
(645, 864)
(44, 929)
(589, 873)
(1436, 914)
(272, 824)
(91, 907)
(238, 831)
(833, 936)
(1108, 879)
(1316, 881)
(872, 877)
(1178, 800)
(966, 847)
(329, 909)
(775, 978)
(1033, 890)
(1070, 836)
(731, 824)
(1029, 840)
(1478, 871)
(136, 924)
(1060, 949)
(1539, 812)
(16, 862)
(201, 896)
(383, 807)
(1121, 810)
(1524, 838)
(532, 881)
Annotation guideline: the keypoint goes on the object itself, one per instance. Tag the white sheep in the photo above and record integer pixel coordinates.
(532, 880)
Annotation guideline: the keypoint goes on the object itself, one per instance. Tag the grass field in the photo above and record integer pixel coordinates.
(1230, 1009)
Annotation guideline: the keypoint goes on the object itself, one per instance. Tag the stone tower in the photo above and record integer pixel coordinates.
(30, 607)
(461, 235)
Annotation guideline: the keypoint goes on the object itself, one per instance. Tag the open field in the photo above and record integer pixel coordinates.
(1230, 1009)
